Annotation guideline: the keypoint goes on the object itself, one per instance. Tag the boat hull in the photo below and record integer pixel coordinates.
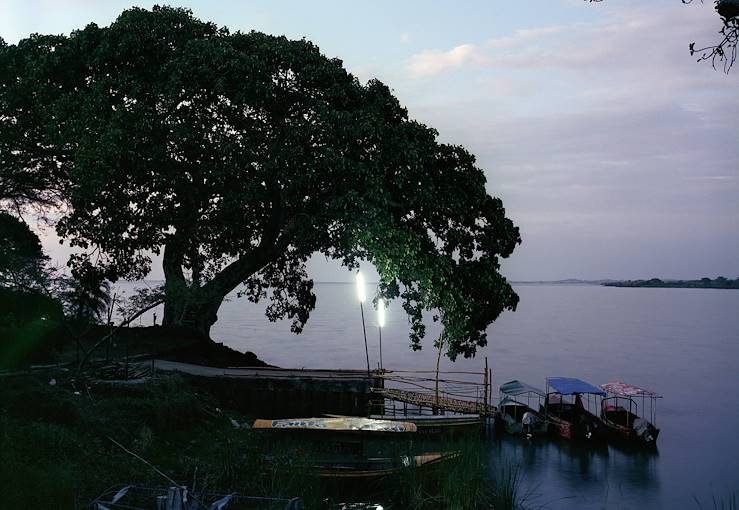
(644, 436)
(432, 426)
(380, 468)
(575, 424)
(515, 426)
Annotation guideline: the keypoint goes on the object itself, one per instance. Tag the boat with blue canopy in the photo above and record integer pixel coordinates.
(620, 413)
(515, 412)
(568, 413)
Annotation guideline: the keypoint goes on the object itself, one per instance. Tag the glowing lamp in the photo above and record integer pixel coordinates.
(360, 287)
(381, 312)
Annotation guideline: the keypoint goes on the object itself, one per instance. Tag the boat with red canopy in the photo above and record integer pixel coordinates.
(620, 413)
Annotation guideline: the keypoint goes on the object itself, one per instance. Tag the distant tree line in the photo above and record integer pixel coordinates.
(704, 283)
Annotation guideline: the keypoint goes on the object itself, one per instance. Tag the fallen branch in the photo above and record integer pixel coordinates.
(123, 324)
(152, 466)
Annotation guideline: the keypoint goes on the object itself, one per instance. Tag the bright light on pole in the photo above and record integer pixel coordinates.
(360, 287)
(380, 323)
(361, 295)
(381, 312)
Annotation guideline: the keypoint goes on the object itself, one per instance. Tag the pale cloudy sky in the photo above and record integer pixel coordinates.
(616, 153)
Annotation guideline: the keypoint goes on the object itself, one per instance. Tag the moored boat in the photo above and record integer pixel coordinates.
(337, 424)
(346, 448)
(382, 467)
(519, 418)
(619, 412)
(565, 410)
(439, 425)
(355, 438)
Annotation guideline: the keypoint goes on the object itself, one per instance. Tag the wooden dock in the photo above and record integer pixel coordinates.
(279, 393)
(454, 405)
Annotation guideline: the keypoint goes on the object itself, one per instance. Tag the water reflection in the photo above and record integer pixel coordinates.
(681, 342)
(626, 477)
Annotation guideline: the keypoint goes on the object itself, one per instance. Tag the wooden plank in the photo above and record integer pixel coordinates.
(429, 400)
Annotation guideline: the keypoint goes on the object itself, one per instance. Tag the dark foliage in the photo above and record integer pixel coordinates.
(238, 156)
(22, 261)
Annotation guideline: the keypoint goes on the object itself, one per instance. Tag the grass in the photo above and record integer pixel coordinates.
(464, 483)
(57, 449)
(731, 502)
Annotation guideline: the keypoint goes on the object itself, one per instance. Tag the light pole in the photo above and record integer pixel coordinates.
(380, 323)
(362, 296)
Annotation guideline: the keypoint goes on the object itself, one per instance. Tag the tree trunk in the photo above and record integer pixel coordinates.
(195, 309)
(195, 306)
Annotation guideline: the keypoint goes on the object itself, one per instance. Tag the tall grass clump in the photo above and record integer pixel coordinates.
(731, 502)
(465, 482)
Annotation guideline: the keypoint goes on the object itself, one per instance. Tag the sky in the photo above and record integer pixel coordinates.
(615, 153)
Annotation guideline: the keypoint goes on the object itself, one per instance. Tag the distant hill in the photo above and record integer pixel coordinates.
(703, 283)
(568, 281)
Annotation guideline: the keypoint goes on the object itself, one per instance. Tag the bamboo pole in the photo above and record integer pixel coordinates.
(490, 379)
(487, 388)
(438, 360)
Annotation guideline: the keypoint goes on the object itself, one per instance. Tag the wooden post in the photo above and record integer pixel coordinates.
(487, 388)
(435, 410)
(490, 382)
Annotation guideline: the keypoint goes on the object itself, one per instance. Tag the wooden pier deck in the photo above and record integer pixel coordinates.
(443, 403)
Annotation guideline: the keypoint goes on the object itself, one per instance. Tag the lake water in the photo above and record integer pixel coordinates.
(682, 343)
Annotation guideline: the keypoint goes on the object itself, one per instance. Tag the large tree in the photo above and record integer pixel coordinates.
(22, 261)
(237, 156)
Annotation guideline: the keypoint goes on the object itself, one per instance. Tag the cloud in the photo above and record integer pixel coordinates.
(626, 37)
(435, 61)
(405, 38)
(606, 138)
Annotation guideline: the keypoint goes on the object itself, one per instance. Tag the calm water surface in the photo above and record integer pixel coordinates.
(683, 343)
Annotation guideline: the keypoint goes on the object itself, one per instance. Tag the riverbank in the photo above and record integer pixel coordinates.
(61, 446)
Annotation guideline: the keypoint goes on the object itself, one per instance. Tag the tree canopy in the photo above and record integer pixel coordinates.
(237, 156)
(21, 258)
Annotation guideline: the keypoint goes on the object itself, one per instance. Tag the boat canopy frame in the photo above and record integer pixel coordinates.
(572, 386)
(568, 386)
(516, 388)
(621, 390)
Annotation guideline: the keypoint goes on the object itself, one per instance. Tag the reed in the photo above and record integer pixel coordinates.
(467, 482)
(730, 502)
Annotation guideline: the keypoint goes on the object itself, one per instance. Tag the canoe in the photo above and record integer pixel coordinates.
(432, 425)
(338, 424)
(379, 468)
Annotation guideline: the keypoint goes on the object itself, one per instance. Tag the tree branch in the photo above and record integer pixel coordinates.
(123, 324)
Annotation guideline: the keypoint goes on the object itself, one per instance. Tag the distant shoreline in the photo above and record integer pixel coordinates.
(704, 283)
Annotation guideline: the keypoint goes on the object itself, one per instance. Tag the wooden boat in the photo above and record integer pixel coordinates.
(346, 448)
(434, 425)
(346, 438)
(337, 424)
(619, 412)
(519, 418)
(571, 419)
(379, 468)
